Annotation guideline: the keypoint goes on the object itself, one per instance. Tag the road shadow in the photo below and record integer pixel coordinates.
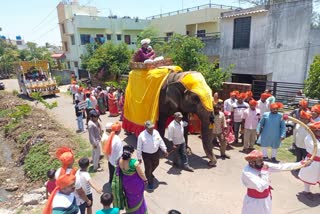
(195, 161)
(310, 202)
(107, 188)
(25, 97)
(156, 184)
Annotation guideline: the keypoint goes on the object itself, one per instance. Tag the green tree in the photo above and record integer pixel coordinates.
(112, 58)
(214, 75)
(185, 51)
(312, 83)
(8, 56)
(151, 33)
(33, 52)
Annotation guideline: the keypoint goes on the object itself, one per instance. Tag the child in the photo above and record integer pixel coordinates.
(86, 182)
(51, 183)
(228, 133)
(79, 117)
(106, 199)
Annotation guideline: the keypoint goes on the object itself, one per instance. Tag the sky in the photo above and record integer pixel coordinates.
(36, 20)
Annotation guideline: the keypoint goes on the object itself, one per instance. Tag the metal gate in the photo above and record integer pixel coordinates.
(284, 92)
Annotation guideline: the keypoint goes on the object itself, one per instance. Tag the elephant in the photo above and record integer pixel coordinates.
(175, 97)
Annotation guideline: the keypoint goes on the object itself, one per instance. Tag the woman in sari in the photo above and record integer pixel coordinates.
(128, 184)
(101, 100)
(112, 103)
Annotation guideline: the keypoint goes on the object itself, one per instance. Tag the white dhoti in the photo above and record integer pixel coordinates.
(311, 174)
(96, 156)
(256, 205)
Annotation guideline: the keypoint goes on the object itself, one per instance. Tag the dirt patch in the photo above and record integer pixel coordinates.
(20, 132)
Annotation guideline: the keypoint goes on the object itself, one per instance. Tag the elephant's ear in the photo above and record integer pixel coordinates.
(194, 98)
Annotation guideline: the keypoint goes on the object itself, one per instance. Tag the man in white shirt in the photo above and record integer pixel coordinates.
(300, 134)
(113, 148)
(149, 142)
(263, 104)
(237, 110)
(315, 110)
(250, 120)
(176, 136)
(228, 102)
(311, 175)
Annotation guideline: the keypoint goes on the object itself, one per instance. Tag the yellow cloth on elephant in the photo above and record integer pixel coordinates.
(195, 82)
(143, 92)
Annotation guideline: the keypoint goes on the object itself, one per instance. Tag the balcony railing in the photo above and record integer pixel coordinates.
(191, 9)
(202, 36)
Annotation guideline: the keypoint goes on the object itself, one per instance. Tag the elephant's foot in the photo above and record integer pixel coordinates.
(213, 161)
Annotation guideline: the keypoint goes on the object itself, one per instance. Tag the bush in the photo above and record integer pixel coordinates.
(58, 80)
(312, 83)
(24, 137)
(38, 162)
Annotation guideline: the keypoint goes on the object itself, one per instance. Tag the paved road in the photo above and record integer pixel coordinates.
(207, 190)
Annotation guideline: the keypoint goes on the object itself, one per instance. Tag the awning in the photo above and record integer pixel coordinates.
(242, 13)
(58, 56)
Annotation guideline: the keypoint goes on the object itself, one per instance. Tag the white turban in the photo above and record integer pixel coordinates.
(145, 41)
(108, 125)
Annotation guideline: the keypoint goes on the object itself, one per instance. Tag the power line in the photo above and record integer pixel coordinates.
(42, 35)
(43, 20)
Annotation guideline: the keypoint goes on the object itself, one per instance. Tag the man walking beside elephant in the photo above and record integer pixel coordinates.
(176, 136)
(237, 110)
(149, 143)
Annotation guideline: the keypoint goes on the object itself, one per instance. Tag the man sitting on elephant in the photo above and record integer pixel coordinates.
(143, 54)
(176, 136)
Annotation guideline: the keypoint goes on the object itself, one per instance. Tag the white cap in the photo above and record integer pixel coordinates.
(145, 41)
(108, 125)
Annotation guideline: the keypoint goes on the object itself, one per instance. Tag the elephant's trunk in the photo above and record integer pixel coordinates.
(207, 136)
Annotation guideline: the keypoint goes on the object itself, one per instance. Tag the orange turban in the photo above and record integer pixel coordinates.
(305, 115)
(242, 96)
(62, 182)
(254, 155)
(253, 102)
(249, 93)
(316, 108)
(314, 126)
(277, 105)
(303, 103)
(66, 157)
(108, 145)
(265, 95)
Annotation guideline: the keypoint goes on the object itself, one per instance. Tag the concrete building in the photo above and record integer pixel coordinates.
(198, 21)
(202, 21)
(273, 42)
(80, 25)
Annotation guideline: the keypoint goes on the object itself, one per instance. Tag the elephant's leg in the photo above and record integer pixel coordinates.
(162, 124)
(208, 147)
(186, 131)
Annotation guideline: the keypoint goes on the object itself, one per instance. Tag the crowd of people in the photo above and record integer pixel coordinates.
(238, 120)
(89, 98)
